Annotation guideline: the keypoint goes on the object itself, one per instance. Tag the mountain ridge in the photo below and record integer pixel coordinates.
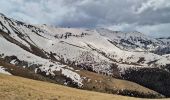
(63, 54)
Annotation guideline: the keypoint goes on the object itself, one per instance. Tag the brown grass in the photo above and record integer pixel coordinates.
(17, 88)
(104, 84)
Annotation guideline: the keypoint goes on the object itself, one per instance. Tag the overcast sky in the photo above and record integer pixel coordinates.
(151, 17)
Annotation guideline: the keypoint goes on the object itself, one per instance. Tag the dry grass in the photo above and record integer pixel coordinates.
(17, 88)
(110, 82)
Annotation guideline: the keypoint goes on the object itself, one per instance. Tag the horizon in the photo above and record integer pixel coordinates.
(150, 17)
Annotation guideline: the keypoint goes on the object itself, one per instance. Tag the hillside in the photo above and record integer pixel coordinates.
(93, 82)
(17, 88)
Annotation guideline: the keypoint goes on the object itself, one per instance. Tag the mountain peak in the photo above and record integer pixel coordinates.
(1, 14)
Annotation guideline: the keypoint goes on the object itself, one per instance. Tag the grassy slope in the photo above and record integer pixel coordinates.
(17, 88)
(111, 83)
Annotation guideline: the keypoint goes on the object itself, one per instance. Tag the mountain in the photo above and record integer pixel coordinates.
(93, 59)
(136, 41)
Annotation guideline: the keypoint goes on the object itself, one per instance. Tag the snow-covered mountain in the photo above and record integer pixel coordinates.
(136, 41)
(65, 54)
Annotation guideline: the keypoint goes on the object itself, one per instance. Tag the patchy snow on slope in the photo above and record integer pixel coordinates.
(6, 27)
(167, 56)
(131, 41)
(10, 49)
(76, 77)
(2, 70)
(165, 40)
(13, 62)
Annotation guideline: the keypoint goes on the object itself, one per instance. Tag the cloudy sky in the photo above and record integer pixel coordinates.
(151, 17)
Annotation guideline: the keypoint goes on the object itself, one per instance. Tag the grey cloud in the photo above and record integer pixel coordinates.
(91, 13)
(116, 12)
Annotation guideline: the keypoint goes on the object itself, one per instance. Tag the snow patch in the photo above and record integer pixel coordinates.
(3, 71)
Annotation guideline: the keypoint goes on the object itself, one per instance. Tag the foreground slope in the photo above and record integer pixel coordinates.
(92, 81)
(17, 88)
